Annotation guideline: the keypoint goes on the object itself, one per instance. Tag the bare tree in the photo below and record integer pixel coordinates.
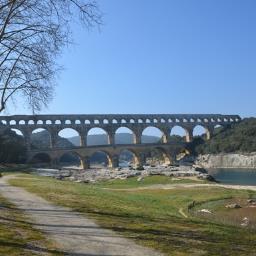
(32, 35)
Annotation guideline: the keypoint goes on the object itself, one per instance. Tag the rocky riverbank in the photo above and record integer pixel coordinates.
(227, 160)
(94, 175)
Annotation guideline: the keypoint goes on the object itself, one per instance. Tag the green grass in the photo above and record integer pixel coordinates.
(151, 216)
(18, 237)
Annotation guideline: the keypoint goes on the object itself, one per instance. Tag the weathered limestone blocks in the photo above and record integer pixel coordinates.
(227, 160)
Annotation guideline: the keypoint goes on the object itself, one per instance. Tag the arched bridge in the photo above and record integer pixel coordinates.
(137, 123)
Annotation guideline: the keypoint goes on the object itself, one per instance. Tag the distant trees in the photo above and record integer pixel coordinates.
(32, 34)
(12, 148)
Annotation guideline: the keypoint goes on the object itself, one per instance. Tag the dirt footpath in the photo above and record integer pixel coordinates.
(185, 185)
(74, 234)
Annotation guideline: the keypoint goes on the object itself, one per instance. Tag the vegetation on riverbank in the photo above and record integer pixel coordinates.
(153, 217)
(17, 235)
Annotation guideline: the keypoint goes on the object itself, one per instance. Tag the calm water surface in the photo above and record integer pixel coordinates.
(234, 176)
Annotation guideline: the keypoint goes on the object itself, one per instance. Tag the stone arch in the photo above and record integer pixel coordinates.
(71, 159)
(100, 159)
(179, 134)
(40, 138)
(153, 134)
(128, 157)
(67, 121)
(125, 135)
(4, 122)
(200, 130)
(13, 122)
(40, 158)
(18, 132)
(218, 129)
(97, 136)
(68, 138)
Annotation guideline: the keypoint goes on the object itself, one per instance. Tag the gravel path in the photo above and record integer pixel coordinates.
(74, 234)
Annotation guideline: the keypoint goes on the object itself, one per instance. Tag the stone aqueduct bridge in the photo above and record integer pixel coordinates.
(110, 123)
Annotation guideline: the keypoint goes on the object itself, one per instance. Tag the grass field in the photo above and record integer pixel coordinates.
(152, 217)
(18, 237)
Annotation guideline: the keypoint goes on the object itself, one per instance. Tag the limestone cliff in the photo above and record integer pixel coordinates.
(227, 160)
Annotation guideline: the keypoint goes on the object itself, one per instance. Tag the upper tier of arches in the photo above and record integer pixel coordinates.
(106, 120)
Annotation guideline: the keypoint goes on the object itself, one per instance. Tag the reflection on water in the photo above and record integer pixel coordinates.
(234, 176)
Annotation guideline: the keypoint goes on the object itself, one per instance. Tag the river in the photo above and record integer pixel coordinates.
(234, 176)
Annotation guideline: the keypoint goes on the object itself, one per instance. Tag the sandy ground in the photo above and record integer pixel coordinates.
(74, 234)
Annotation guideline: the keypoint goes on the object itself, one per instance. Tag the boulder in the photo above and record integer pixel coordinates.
(141, 178)
(245, 222)
(205, 211)
(251, 201)
(233, 206)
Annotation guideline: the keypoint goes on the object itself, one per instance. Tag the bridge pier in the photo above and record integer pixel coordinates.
(85, 162)
(55, 163)
(141, 160)
(53, 139)
(27, 140)
(189, 135)
(114, 163)
(83, 140)
(111, 138)
(209, 132)
(137, 138)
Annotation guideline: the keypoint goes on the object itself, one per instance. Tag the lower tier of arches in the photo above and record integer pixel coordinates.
(108, 157)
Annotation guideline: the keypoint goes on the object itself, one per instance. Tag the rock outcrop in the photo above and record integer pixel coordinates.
(227, 160)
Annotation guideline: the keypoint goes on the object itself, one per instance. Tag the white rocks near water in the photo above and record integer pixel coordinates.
(103, 174)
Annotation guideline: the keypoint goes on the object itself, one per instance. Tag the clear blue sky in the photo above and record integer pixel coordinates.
(166, 56)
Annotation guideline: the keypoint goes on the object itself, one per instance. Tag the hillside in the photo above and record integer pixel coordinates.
(239, 137)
